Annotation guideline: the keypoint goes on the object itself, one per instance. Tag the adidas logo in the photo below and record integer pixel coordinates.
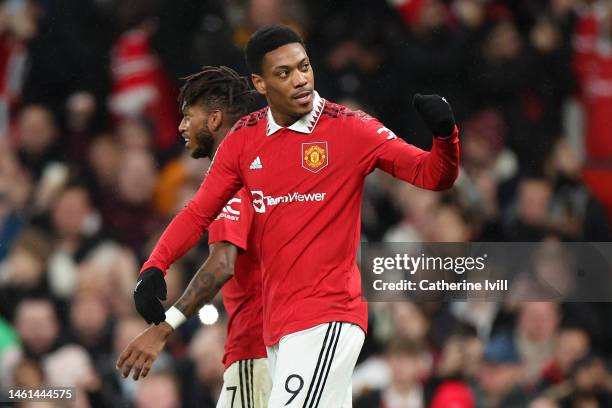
(256, 165)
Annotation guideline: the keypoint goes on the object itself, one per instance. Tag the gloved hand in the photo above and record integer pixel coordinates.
(149, 290)
(436, 112)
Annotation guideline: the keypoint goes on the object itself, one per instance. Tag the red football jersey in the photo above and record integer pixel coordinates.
(306, 184)
(242, 293)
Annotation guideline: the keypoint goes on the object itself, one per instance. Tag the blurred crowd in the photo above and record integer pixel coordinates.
(92, 169)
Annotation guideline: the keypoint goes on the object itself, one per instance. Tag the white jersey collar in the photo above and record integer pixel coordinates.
(305, 124)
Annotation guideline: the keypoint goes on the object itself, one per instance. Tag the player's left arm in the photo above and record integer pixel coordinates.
(227, 236)
(436, 169)
(140, 354)
(184, 231)
(210, 278)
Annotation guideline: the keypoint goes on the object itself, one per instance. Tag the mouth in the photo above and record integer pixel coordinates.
(303, 98)
(186, 139)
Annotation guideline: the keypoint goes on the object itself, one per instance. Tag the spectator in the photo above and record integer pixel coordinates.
(76, 226)
(23, 273)
(575, 213)
(90, 323)
(543, 403)
(15, 188)
(140, 84)
(38, 139)
(573, 344)
(529, 219)
(38, 329)
(203, 376)
(159, 390)
(17, 26)
(134, 219)
(536, 335)
(501, 376)
(408, 368)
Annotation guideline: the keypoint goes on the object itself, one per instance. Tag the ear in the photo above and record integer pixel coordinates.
(258, 83)
(215, 120)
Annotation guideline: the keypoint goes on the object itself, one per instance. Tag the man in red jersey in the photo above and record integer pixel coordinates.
(304, 160)
(212, 100)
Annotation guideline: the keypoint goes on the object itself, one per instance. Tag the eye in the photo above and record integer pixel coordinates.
(306, 66)
(283, 74)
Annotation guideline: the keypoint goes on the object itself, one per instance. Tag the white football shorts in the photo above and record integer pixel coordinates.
(246, 384)
(313, 368)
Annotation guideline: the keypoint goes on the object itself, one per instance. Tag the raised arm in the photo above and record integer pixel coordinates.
(436, 169)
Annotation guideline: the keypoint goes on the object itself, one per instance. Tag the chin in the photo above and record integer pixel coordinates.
(198, 153)
(194, 154)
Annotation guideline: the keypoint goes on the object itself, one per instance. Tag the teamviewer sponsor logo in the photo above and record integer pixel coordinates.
(258, 201)
(261, 201)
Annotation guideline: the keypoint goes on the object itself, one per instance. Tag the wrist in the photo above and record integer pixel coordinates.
(165, 330)
(450, 136)
(152, 265)
(174, 317)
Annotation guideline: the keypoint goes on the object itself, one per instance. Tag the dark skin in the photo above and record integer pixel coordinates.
(287, 82)
(203, 129)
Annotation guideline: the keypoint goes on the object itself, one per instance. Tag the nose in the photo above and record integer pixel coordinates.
(299, 79)
(183, 125)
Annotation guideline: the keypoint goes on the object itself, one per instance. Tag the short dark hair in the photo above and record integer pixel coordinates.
(217, 87)
(268, 39)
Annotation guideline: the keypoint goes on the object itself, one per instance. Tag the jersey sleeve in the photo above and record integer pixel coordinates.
(381, 148)
(233, 222)
(186, 229)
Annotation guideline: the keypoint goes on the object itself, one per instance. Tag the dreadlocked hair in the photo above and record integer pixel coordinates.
(219, 88)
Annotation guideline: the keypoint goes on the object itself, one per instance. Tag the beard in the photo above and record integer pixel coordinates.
(204, 144)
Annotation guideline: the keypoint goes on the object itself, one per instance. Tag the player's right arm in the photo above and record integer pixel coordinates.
(436, 169)
(186, 229)
(141, 353)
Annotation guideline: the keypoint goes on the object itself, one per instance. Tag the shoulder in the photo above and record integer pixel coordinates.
(354, 123)
(249, 121)
(336, 111)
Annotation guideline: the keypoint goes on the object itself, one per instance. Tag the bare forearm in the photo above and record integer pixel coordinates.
(201, 290)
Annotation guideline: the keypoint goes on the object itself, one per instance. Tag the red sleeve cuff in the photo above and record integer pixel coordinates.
(235, 241)
(153, 264)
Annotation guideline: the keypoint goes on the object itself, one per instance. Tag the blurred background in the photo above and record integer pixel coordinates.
(92, 168)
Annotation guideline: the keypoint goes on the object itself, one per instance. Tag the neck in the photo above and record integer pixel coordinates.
(283, 119)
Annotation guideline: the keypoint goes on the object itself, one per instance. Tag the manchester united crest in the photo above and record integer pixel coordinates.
(314, 156)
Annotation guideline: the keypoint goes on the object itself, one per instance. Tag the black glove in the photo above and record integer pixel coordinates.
(436, 112)
(149, 290)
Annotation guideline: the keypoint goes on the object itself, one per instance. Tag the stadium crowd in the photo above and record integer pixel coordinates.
(92, 168)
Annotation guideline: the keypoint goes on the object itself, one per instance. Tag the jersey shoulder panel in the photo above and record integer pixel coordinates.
(336, 111)
(250, 120)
